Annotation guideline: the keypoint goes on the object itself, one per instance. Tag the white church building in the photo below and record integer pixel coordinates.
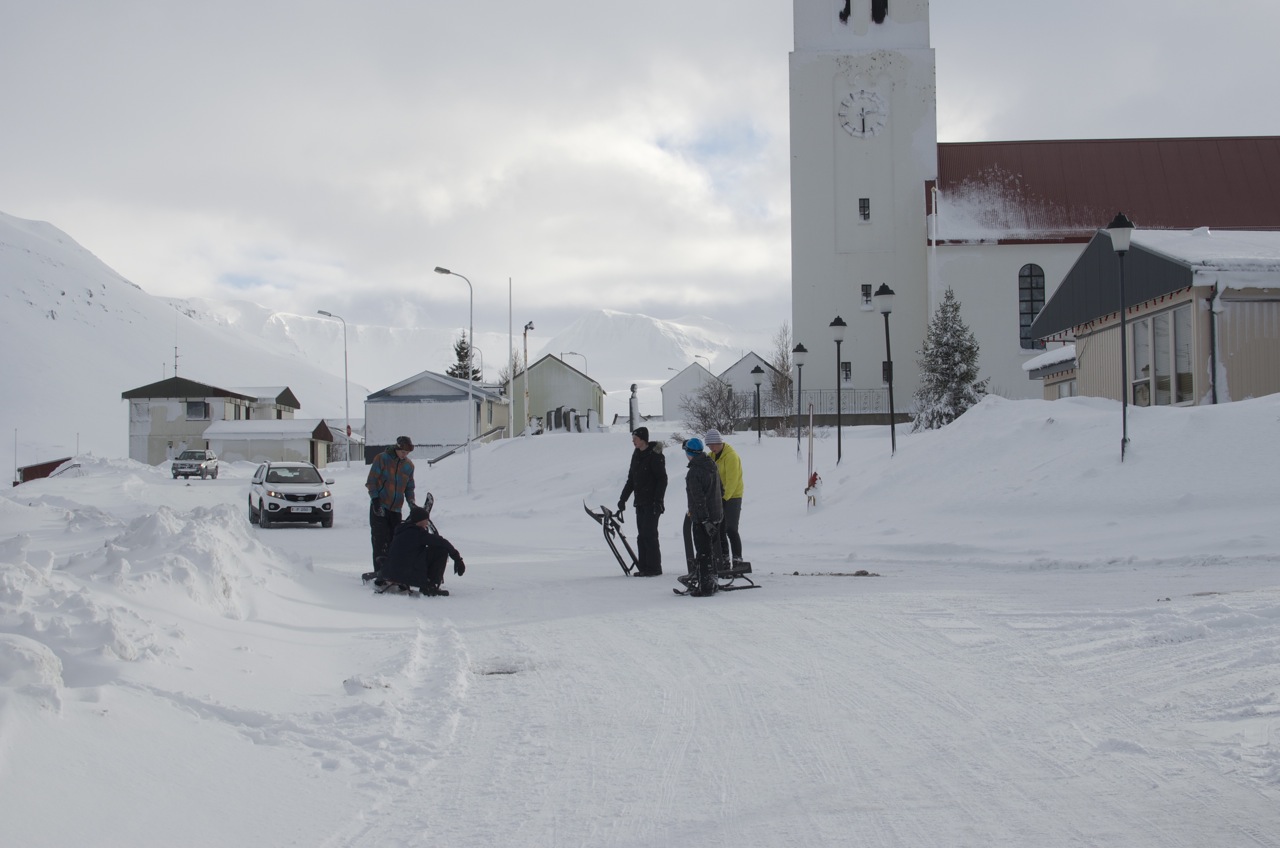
(876, 200)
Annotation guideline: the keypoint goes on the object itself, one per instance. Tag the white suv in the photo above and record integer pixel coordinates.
(195, 463)
(289, 491)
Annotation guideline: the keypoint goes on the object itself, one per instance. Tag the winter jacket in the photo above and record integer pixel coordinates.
(729, 464)
(702, 485)
(410, 555)
(647, 476)
(390, 480)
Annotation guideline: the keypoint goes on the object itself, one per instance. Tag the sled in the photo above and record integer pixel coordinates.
(611, 525)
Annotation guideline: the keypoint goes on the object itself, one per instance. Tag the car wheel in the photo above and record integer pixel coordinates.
(326, 522)
(215, 474)
(253, 516)
(264, 517)
(175, 475)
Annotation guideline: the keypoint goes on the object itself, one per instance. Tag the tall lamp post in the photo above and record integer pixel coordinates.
(798, 353)
(884, 300)
(837, 331)
(527, 417)
(471, 340)
(1121, 229)
(346, 391)
(757, 374)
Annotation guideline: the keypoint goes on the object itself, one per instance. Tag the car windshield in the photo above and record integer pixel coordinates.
(191, 455)
(304, 474)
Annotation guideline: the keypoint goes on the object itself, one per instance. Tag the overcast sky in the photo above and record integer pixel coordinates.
(632, 156)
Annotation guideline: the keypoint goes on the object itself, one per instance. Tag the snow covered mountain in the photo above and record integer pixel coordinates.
(74, 334)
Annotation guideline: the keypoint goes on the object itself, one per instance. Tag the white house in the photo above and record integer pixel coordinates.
(683, 384)
(281, 440)
(432, 410)
(556, 386)
(167, 417)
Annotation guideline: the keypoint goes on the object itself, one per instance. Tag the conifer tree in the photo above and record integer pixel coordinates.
(949, 382)
(462, 351)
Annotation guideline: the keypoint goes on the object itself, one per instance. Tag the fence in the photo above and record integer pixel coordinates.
(852, 402)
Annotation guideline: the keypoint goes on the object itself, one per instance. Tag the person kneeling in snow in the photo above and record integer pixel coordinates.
(417, 556)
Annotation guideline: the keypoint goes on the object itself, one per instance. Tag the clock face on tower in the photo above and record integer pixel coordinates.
(862, 113)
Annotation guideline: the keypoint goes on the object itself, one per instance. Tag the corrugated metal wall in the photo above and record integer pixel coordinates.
(1098, 363)
(1249, 344)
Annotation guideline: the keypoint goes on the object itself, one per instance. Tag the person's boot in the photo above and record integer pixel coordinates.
(434, 589)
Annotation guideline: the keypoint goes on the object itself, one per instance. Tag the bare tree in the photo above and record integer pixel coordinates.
(780, 388)
(714, 405)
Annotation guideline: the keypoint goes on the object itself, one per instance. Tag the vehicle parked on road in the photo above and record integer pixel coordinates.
(195, 463)
(289, 492)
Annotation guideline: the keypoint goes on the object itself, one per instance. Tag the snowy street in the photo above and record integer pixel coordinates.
(1029, 664)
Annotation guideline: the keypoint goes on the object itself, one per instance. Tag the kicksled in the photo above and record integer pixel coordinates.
(726, 577)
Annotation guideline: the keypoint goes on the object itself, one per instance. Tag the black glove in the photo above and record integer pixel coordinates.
(376, 506)
(622, 505)
(459, 567)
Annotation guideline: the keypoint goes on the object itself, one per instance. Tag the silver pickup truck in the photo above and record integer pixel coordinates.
(195, 463)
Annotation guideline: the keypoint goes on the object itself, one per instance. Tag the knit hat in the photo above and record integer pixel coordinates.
(642, 433)
(713, 438)
(404, 443)
(693, 446)
(417, 514)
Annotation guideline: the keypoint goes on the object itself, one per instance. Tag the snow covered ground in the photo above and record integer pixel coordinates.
(1055, 650)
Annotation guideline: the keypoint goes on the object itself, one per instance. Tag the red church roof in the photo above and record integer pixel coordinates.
(1067, 190)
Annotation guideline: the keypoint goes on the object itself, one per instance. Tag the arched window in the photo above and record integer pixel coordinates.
(1030, 302)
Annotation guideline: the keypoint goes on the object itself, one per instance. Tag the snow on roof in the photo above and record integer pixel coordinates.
(1066, 353)
(297, 428)
(1255, 251)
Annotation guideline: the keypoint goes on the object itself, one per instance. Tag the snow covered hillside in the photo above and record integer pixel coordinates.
(1049, 648)
(74, 334)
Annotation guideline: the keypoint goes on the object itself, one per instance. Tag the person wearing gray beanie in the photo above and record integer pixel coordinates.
(730, 467)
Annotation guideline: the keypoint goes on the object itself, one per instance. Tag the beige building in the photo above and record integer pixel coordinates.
(1201, 319)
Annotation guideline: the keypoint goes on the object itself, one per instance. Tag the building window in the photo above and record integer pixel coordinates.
(866, 296)
(1162, 358)
(197, 410)
(864, 208)
(1067, 388)
(846, 372)
(1030, 302)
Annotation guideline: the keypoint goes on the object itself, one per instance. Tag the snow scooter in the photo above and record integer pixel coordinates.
(611, 524)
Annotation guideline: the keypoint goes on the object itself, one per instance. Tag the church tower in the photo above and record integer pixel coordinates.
(864, 146)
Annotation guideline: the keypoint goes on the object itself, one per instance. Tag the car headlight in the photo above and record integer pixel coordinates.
(274, 494)
(325, 493)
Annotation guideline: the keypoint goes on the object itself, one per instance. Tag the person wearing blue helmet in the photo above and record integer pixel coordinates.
(706, 511)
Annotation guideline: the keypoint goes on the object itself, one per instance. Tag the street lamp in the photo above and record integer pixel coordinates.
(346, 391)
(700, 356)
(884, 300)
(527, 417)
(757, 374)
(1121, 229)
(471, 340)
(797, 353)
(837, 330)
(575, 353)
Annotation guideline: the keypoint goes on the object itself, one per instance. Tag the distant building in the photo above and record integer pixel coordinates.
(431, 409)
(167, 417)
(556, 386)
(278, 440)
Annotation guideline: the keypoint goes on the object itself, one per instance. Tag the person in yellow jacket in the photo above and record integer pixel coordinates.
(730, 468)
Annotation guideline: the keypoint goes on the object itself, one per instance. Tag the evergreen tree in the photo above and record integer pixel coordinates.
(462, 351)
(949, 382)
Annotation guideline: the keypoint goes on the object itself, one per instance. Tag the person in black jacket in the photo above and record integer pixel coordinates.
(417, 556)
(647, 478)
(706, 511)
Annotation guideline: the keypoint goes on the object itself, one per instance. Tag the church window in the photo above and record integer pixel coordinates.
(1030, 302)
(864, 208)
(846, 372)
(866, 295)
